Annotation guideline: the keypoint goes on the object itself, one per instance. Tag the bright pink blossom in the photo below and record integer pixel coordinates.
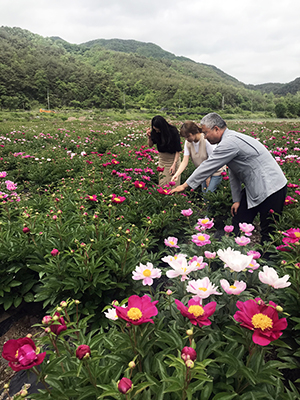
(124, 385)
(54, 252)
(187, 212)
(195, 312)
(117, 199)
(228, 228)
(255, 254)
(246, 228)
(206, 223)
(91, 198)
(210, 255)
(188, 353)
(262, 319)
(201, 239)
(138, 311)
(171, 242)
(58, 324)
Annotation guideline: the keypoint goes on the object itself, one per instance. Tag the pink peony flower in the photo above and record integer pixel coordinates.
(228, 228)
(208, 254)
(3, 174)
(91, 198)
(270, 277)
(139, 185)
(187, 212)
(171, 242)
(54, 252)
(260, 318)
(201, 239)
(236, 288)
(242, 240)
(246, 228)
(138, 311)
(205, 223)
(146, 273)
(26, 230)
(254, 254)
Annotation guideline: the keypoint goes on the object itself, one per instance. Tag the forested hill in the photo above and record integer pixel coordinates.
(113, 73)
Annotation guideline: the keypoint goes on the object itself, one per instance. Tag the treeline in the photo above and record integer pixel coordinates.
(50, 72)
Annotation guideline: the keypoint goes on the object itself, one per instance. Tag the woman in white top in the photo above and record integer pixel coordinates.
(199, 149)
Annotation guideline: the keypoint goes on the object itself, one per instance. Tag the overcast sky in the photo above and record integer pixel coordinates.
(255, 41)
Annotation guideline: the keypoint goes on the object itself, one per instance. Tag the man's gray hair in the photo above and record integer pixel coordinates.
(213, 119)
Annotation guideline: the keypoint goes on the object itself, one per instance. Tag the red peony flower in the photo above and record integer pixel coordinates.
(83, 351)
(195, 312)
(160, 169)
(138, 311)
(163, 191)
(92, 197)
(262, 319)
(58, 324)
(124, 385)
(22, 354)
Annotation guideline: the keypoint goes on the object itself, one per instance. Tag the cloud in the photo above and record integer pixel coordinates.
(255, 41)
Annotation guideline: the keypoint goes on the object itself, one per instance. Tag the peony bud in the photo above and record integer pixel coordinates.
(83, 351)
(47, 320)
(188, 353)
(26, 230)
(279, 309)
(54, 252)
(63, 304)
(169, 292)
(190, 332)
(124, 385)
(189, 363)
(131, 365)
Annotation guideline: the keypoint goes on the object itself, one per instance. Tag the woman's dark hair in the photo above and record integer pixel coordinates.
(189, 127)
(165, 129)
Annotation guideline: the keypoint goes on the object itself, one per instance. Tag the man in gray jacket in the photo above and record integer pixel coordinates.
(250, 164)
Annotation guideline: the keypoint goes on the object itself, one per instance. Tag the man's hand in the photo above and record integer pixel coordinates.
(234, 208)
(172, 170)
(179, 188)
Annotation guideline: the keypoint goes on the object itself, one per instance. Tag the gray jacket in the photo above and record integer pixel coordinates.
(249, 162)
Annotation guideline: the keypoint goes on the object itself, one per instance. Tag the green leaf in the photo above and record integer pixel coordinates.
(224, 396)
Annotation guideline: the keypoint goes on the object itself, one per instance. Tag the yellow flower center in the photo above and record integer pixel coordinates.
(204, 221)
(202, 288)
(134, 313)
(147, 272)
(183, 269)
(201, 237)
(262, 321)
(232, 287)
(17, 353)
(297, 234)
(171, 242)
(197, 311)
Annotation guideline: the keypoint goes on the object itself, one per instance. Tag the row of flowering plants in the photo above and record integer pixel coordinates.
(82, 217)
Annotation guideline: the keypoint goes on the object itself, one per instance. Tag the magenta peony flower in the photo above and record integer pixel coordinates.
(83, 351)
(138, 311)
(262, 319)
(22, 354)
(58, 324)
(117, 199)
(195, 312)
(26, 230)
(188, 353)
